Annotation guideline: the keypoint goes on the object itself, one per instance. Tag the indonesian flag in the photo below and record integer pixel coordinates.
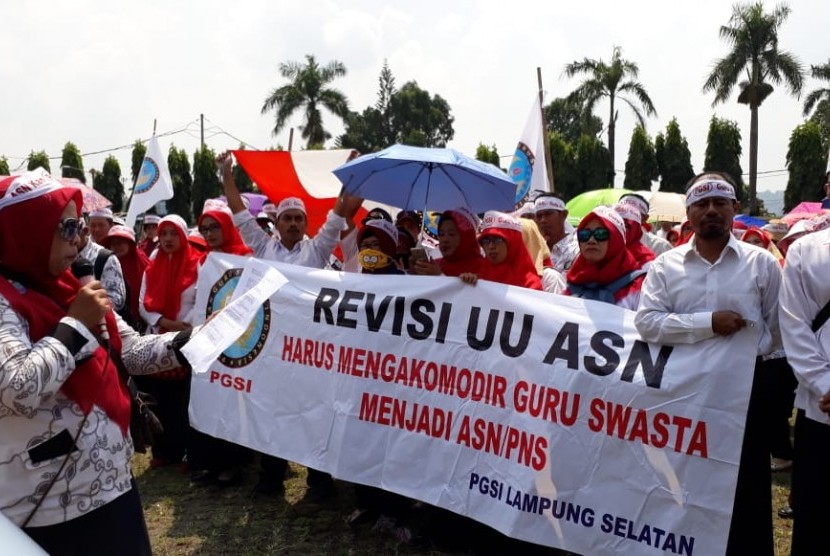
(304, 174)
(528, 168)
(153, 183)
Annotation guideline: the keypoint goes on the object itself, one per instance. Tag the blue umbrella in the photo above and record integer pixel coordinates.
(751, 220)
(416, 178)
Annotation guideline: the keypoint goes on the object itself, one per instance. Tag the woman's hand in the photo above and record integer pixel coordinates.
(90, 305)
(469, 278)
(425, 267)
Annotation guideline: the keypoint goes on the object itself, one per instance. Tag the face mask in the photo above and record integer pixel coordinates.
(370, 259)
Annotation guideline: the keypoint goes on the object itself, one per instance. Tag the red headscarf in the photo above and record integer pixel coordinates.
(634, 233)
(133, 263)
(467, 256)
(170, 274)
(232, 242)
(518, 269)
(617, 262)
(25, 257)
(759, 233)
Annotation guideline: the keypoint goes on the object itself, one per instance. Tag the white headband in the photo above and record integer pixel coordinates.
(28, 186)
(640, 205)
(549, 203)
(527, 208)
(495, 219)
(709, 188)
(385, 226)
(101, 213)
(629, 211)
(290, 203)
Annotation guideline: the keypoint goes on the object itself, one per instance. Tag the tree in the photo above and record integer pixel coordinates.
(178, 164)
(821, 72)
(419, 119)
(364, 132)
(723, 151)
(641, 166)
(308, 89)
(138, 154)
(822, 117)
(806, 163)
(612, 81)
(383, 106)
(753, 37)
(592, 165)
(72, 164)
(564, 163)
(206, 183)
(108, 183)
(4, 166)
(38, 159)
(566, 117)
(675, 160)
(488, 154)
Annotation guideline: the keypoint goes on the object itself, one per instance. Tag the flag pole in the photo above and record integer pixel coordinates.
(545, 136)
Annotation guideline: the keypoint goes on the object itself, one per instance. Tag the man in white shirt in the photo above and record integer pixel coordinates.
(551, 218)
(715, 286)
(289, 245)
(804, 293)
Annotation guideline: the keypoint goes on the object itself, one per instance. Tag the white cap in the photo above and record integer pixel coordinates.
(495, 219)
(101, 213)
(151, 219)
(290, 203)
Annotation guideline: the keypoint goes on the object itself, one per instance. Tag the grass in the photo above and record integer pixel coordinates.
(185, 520)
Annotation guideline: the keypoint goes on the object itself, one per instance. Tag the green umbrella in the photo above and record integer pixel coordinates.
(584, 203)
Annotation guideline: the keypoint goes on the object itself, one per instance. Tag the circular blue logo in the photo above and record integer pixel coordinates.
(250, 344)
(431, 224)
(520, 171)
(148, 176)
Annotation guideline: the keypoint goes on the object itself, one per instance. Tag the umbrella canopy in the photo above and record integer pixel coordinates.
(416, 178)
(584, 203)
(751, 221)
(802, 211)
(666, 207)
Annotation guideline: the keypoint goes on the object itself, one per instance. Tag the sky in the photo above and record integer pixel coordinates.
(98, 73)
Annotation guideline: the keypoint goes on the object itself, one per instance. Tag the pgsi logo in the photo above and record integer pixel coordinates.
(520, 171)
(252, 341)
(148, 176)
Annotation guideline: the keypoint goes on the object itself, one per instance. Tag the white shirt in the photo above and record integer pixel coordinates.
(804, 291)
(657, 244)
(112, 277)
(564, 252)
(553, 281)
(682, 290)
(313, 253)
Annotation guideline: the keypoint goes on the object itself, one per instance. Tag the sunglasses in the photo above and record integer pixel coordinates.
(70, 228)
(487, 240)
(599, 234)
(205, 230)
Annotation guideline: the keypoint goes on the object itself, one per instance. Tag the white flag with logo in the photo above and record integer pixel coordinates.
(528, 168)
(153, 183)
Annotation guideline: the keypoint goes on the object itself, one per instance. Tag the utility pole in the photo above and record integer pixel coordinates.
(545, 136)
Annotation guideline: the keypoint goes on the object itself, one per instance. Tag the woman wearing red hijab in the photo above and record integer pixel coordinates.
(506, 259)
(634, 233)
(66, 411)
(168, 294)
(216, 226)
(458, 243)
(121, 241)
(605, 269)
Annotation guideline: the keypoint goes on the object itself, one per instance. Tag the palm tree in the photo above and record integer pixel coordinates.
(753, 37)
(815, 97)
(308, 89)
(613, 81)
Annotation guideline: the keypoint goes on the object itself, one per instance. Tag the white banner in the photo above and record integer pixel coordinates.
(543, 416)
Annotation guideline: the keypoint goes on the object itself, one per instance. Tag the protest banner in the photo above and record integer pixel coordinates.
(543, 416)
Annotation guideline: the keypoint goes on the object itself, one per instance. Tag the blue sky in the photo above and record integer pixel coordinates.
(97, 73)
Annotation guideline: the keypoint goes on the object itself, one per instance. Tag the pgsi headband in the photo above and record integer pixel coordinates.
(709, 188)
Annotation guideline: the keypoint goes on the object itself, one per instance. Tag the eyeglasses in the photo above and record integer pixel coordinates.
(70, 228)
(487, 240)
(599, 234)
(205, 230)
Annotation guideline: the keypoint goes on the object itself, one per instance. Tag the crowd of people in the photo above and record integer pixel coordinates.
(67, 343)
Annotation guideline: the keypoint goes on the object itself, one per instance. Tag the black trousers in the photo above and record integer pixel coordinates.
(274, 468)
(173, 397)
(811, 486)
(782, 395)
(115, 528)
(751, 529)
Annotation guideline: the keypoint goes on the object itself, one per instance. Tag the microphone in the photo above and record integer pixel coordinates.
(83, 270)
